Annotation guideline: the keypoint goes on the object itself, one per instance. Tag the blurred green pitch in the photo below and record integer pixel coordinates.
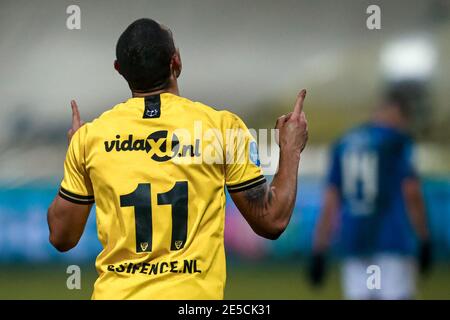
(284, 280)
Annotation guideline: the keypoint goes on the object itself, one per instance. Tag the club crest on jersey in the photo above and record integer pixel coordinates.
(144, 246)
(178, 244)
(152, 107)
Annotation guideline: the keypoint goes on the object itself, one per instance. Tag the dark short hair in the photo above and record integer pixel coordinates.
(405, 95)
(143, 52)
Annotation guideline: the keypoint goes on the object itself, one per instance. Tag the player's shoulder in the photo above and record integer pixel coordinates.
(115, 112)
(95, 126)
(393, 135)
(222, 116)
(370, 133)
(198, 107)
(107, 117)
(351, 134)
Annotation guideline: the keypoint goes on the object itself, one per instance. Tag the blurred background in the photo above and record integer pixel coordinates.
(250, 57)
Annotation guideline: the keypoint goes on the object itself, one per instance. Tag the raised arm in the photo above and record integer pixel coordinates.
(268, 208)
(68, 213)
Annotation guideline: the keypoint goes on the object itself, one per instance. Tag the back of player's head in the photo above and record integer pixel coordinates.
(397, 99)
(144, 52)
(404, 96)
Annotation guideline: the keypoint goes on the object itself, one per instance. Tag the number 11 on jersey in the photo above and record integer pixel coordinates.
(140, 199)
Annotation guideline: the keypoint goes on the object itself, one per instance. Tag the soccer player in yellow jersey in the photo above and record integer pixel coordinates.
(156, 167)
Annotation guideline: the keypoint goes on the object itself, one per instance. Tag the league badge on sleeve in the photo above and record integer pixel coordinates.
(253, 153)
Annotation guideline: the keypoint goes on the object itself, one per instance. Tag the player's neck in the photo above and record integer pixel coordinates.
(172, 88)
(389, 120)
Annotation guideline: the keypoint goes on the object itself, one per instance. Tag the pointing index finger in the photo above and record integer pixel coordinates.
(298, 108)
(76, 121)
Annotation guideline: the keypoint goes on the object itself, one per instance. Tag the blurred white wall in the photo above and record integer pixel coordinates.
(248, 56)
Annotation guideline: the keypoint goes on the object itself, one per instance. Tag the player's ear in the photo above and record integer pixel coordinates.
(176, 64)
(116, 66)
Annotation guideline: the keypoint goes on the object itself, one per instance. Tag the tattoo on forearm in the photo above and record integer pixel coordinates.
(256, 197)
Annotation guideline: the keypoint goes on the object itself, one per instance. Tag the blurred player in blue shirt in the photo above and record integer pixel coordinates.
(373, 195)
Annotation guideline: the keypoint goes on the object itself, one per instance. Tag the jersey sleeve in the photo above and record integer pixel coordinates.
(334, 171)
(76, 186)
(242, 165)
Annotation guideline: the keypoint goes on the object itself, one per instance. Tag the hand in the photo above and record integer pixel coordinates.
(425, 257)
(293, 127)
(76, 122)
(317, 269)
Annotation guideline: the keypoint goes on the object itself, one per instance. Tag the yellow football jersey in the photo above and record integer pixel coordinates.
(156, 168)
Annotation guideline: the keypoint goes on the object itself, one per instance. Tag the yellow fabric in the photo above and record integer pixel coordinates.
(131, 183)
